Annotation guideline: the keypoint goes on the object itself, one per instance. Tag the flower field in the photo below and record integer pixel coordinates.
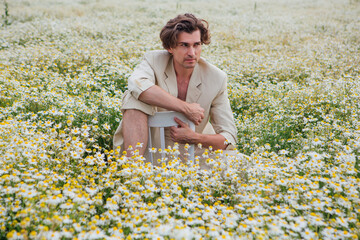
(294, 86)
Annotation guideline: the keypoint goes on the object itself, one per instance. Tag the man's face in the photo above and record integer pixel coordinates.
(187, 52)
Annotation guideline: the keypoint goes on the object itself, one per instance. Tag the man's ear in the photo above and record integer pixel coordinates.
(170, 50)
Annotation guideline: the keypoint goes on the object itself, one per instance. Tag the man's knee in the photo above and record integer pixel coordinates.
(135, 116)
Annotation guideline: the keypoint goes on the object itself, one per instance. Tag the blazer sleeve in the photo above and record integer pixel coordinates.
(221, 116)
(142, 78)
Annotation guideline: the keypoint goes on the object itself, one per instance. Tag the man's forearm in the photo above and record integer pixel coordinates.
(156, 96)
(183, 134)
(216, 141)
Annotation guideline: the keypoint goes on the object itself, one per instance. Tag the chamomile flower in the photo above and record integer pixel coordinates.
(106, 126)
(283, 152)
(316, 142)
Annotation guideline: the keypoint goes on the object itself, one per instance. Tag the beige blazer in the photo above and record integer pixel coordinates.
(208, 87)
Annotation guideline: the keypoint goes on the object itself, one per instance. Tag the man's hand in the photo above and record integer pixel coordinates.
(194, 112)
(182, 133)
(159, 97)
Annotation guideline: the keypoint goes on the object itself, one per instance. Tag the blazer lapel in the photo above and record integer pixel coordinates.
(170, 79)
(194, 91)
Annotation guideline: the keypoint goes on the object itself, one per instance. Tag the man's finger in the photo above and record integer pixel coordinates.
(201, 118)
(181, 123)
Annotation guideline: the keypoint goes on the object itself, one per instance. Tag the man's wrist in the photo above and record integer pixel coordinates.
(196, 139)
(183, 107)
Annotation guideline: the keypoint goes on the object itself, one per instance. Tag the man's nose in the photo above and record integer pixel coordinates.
(191, 51)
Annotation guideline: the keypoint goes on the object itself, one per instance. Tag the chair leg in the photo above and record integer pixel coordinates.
(191, 152)
(192, 147)
(150, 147)
(162, 141)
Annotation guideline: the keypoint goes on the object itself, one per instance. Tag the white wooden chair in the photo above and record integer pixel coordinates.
(166, 119)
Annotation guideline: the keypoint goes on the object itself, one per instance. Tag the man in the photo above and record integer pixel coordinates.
(178, 79)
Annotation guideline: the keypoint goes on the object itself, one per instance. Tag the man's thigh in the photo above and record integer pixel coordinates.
(130, 102)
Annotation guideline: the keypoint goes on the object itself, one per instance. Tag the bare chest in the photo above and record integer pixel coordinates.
(182, 87)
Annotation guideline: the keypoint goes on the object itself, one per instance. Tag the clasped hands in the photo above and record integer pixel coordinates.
(183, 133)
(194, 112)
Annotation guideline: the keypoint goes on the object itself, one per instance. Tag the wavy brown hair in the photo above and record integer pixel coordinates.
(183, 23)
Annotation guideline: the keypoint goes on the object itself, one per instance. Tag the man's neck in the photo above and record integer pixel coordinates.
(183, 73)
